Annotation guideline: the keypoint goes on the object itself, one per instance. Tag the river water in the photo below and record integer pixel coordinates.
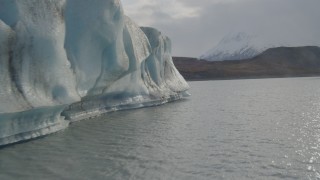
(234, 129)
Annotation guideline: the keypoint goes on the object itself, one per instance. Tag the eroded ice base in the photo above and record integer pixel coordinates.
(84, 110)
(15, 127)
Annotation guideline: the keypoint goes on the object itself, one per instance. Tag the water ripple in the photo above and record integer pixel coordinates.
(244, 129)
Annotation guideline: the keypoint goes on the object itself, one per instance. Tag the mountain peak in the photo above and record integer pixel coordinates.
(237, 37)
(236, 46)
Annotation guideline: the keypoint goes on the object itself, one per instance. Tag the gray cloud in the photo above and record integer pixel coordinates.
(196, 26)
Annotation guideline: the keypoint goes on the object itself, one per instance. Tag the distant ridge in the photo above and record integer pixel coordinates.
(274, 62)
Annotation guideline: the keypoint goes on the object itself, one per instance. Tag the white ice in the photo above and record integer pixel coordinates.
(67, 60)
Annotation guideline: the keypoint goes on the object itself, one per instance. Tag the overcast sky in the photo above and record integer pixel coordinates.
(198, 25)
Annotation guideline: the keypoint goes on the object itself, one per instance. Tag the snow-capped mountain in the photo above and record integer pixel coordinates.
(236, 47)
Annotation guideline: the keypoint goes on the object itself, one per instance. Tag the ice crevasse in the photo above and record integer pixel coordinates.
(67, 60)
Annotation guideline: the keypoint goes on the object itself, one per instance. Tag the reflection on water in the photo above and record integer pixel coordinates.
(308, 140)
(242, 129)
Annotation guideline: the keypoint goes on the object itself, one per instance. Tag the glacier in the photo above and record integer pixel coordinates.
(67, 60)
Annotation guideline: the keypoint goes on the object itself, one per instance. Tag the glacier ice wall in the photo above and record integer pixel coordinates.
(67, 60)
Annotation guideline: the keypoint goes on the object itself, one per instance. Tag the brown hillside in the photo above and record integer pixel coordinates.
(274, 62)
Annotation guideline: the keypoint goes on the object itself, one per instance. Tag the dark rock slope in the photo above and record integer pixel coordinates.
(274, 62)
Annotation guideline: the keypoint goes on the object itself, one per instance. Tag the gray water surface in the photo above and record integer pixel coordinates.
(236, 129)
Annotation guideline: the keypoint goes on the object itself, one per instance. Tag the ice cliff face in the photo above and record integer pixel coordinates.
(66, 60)
(238, 46)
